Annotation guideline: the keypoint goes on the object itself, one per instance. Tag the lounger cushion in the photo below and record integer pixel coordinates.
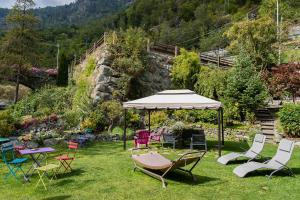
(228, 157)
(152, 160)
(244, 169)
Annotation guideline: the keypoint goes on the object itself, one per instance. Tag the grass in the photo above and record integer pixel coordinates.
(104, 171)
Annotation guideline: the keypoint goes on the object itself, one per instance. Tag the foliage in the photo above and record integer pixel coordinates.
(7, 92)
(289, 116)
(133, 119)
(256, 37)
(191, 116)
(90, 66)
(71, 118)
(82, 102)
(245, 89)
(6, 123)
(158, 118)
(129, 56)
(211, 82)
(95, 119)
(112, 111)
(285, 78)
(185, 69)
(63, 70)
(44, 102)
(177, 128)
(288, 9)
(19, 45)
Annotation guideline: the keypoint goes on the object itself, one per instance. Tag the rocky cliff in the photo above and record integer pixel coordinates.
(105, 79)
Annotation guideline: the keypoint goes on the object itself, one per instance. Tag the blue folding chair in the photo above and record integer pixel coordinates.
(13, 164)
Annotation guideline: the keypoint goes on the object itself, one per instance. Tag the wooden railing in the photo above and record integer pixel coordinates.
(91, 50)
(160, 48)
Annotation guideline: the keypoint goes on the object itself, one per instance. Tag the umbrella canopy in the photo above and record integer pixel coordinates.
(174, 99)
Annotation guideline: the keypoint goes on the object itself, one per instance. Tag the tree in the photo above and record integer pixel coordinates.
(212, 82)
(256, 37)
(245, 89)
(18, 46)
(185, 69)
(62, 77)
(286, 77)
(112, 111)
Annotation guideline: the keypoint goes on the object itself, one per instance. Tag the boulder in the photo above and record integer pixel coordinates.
(53, 141)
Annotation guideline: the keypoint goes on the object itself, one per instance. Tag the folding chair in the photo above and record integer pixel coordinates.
(46, 170)
(67, 159)
(13, 164)
(198, 140)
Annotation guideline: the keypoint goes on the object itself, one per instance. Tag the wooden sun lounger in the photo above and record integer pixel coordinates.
(152, 162)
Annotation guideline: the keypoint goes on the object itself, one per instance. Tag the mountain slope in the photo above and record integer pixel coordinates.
(79, 12)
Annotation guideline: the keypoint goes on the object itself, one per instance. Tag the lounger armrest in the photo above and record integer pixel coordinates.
(140, 148)
(256, 153)
(201, 152)
(281, 163)
(243, 149)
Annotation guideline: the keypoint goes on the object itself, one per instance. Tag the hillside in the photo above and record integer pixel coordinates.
(79, 12)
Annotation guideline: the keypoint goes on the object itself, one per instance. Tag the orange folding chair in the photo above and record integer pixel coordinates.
(67, 159)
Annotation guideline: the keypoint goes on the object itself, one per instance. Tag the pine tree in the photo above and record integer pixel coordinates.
(18, 47)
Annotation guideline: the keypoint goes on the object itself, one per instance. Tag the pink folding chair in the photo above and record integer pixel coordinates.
(156, 136)
(142, 137)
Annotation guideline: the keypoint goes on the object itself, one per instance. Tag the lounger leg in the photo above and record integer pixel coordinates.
(270, 176)
(291, 172)
(163, 182)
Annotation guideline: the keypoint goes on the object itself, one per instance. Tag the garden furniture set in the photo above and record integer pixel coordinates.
(196, 137)
(39, 161)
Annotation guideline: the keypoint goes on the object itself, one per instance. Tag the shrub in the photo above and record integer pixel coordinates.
(71, 119)
(158, 118)
(177, 128)
(82, 102)
(112, 111)
(44, 102)
(185, 70)
(90, 66)
(6, 123)
(289, 116)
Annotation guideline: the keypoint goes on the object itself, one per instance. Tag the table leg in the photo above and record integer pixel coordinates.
(37, 160)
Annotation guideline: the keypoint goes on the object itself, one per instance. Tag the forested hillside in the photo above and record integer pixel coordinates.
(80, 12)
(187, 23)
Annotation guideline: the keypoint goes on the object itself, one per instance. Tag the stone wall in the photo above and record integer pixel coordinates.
(105, 78)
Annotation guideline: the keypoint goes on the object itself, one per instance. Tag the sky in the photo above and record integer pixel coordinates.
(39, 3)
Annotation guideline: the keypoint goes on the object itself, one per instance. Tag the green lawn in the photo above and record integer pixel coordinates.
(104, 171)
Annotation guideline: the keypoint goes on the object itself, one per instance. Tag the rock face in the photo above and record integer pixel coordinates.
(105, 78)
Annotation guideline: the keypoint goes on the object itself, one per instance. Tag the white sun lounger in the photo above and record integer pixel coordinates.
(277, 163)
(252, 153)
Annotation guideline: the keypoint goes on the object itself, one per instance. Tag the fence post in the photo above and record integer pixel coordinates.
(114, 37)
(176, 50)
(94, 46)
(104, 38)
(219, 59)
(148, 45)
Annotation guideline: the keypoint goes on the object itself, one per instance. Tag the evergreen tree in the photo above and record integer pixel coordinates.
(18, 46)
(62, 77)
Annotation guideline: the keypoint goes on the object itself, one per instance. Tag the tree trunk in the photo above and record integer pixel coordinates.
(110, 127)
(17, 85)
(294, 97)
(242, 116)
